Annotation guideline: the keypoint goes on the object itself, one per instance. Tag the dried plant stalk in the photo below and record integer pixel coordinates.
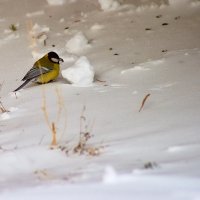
(143, 102)
(2, 108)
(54, 140)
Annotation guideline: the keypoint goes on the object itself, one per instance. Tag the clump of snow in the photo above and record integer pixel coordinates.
(77, 43)
(81, 73)
(39, 33)
(109, 5)
(152, 6)
(61, 20)
(33, 14)
(37, 30)
(55, 2)
(4, 116)
(177, 2)
(96, 27)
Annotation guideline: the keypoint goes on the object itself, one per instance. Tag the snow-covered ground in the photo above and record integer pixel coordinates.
(108, 145)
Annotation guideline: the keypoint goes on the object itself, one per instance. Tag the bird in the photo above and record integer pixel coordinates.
(44, 70)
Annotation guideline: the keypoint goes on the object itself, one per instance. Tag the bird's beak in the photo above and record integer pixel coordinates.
(61, 60)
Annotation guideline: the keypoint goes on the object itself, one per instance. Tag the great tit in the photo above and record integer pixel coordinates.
(44, 70)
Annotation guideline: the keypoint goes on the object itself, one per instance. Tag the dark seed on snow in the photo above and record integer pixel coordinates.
(165, 24)
(147, 29)
(158, 16)
(178, 17)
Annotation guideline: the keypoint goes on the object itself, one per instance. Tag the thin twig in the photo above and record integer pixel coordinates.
(101, 81)
(54, 141)
(143, 102)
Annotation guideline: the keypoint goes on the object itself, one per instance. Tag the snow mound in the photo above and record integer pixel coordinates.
(109, 5)
(77, 43)
(81, 73)
(55, 2)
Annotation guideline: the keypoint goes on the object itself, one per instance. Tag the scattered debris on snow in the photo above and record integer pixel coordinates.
(81, 73)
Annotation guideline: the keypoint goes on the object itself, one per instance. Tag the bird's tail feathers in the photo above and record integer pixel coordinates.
(22, 85)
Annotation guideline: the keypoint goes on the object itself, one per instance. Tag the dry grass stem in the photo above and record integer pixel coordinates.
(101, 81)
(84, 136)
(54, 140)
(143, 102)
(2, 108)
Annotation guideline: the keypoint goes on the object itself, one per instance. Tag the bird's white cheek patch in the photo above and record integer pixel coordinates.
(55, 60)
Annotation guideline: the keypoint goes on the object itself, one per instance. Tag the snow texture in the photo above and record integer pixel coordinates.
(145, 57)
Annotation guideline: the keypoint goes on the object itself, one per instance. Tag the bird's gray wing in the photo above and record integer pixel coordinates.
(34, 72)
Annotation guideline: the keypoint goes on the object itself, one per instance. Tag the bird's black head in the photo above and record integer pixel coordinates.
(53, 57)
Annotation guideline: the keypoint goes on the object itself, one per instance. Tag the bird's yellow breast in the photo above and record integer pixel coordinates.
(53, 74)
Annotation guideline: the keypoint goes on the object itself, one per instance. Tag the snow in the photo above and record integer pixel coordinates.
(77, 43)
(81, 73)
(36, 13)
(178, 2)
(55, 2)
(109, 5)
(96, 27)
(37, 30)
(142, 49)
